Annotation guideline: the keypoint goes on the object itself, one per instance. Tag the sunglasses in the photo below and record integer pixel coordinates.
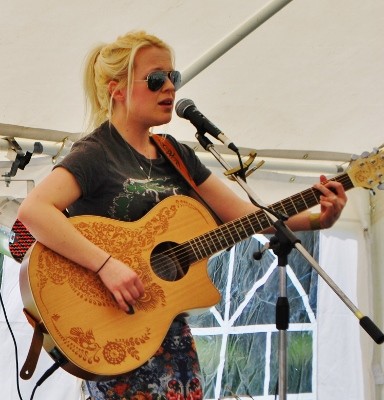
(156, 79)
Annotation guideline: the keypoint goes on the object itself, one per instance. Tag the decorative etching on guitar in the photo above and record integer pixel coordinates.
(128, 246)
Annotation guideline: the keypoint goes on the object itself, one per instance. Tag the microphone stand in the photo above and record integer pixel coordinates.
(282, 244)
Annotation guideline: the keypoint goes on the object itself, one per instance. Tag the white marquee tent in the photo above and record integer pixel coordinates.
(303, 86)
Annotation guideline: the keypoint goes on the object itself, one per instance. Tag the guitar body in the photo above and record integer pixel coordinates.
(79, 316)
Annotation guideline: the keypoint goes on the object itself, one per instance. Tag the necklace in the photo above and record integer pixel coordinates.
(133, 151)
(149, 170)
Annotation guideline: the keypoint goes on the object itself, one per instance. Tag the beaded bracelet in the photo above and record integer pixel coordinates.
(314, 221)
(103, 264)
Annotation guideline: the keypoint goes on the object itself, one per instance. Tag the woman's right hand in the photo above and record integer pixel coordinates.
(123, 282)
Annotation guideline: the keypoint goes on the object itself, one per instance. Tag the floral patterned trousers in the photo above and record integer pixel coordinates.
(173, 373)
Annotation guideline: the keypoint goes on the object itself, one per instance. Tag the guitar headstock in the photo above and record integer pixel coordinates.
(367, 171)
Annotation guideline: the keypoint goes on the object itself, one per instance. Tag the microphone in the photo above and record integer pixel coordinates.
(185, 108)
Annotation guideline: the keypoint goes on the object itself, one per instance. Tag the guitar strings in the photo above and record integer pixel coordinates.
(309, 194)
(248, 222)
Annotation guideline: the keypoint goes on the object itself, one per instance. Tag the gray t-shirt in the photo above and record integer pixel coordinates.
(120, 183)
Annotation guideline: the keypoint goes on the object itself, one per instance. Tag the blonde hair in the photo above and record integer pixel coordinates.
(113, 62)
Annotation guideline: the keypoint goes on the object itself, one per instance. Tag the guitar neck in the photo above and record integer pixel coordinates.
(242, 228)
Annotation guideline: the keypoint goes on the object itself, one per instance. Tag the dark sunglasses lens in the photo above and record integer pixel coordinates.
(175, 78)
(156, 80)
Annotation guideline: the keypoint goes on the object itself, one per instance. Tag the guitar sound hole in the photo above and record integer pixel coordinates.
(169, 261)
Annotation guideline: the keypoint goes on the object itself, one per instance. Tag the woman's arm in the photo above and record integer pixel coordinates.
(41, 213)
(229, 206)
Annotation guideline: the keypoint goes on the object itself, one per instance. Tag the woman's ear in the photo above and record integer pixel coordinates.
(116, 94)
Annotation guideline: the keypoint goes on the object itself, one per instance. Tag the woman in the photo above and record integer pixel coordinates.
(118, 172)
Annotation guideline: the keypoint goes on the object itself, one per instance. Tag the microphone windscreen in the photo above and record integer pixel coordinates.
(182, 105)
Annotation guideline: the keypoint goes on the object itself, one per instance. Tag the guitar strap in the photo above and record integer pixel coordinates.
(169, 151)
(30, 363)
(167, 148)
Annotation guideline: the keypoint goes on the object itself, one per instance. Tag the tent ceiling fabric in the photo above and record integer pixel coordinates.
(311, 77)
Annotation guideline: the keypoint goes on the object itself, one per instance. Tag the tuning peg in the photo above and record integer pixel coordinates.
(365, 154)
(380, 186)
(375, 150)
(354, 157)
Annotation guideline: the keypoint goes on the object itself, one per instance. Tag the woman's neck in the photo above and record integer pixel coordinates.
(138, 138)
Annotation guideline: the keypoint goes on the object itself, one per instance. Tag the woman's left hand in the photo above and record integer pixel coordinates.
(332, 200)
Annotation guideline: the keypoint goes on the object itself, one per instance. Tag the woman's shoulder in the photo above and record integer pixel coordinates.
(95, 136)
(97, 140)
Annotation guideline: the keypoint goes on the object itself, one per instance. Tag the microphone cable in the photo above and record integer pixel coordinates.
(46, 374)
(14, 344)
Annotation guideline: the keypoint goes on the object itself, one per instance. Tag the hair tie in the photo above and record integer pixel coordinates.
(103, 264)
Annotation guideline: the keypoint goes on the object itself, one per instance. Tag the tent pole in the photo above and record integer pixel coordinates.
(233, 38)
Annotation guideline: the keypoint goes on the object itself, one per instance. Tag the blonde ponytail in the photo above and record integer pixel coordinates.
(95, 109)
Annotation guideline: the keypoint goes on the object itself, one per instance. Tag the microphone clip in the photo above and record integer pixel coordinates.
(244, 169)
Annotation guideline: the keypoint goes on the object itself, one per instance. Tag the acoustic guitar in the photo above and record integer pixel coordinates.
(168, 248)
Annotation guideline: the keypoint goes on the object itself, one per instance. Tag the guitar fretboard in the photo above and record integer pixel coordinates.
(242, 228)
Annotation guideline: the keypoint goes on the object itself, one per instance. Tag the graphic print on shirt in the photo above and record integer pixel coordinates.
(139, 192)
